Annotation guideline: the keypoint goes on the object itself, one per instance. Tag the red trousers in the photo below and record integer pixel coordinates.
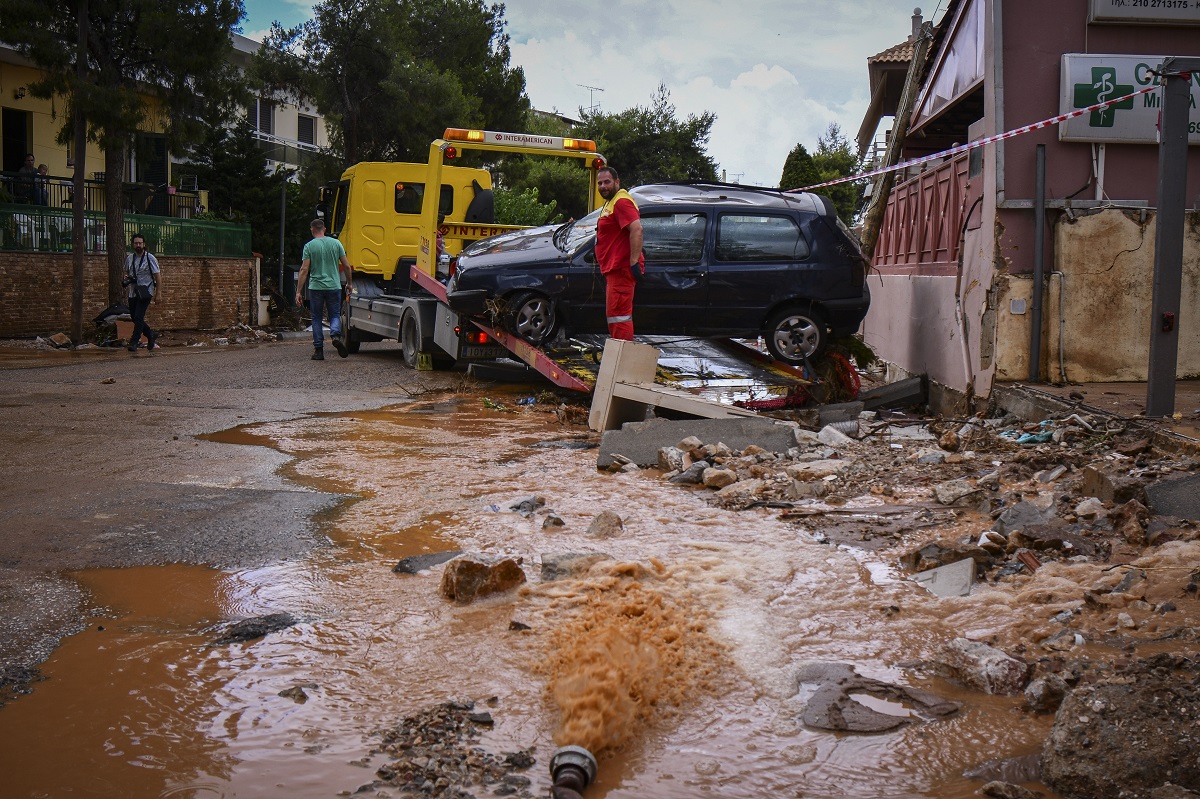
(618, 303)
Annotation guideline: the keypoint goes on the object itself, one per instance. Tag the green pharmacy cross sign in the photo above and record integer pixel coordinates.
(1103, 87)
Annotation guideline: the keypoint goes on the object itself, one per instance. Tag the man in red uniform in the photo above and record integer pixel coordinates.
(619, 251)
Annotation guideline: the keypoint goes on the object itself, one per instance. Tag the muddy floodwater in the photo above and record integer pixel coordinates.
(141, 705)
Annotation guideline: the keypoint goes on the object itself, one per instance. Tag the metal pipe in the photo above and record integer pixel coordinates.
(572, 769)
(1039, 242)
(1062, 323)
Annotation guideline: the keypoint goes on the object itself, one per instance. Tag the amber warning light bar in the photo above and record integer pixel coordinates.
(521, 139)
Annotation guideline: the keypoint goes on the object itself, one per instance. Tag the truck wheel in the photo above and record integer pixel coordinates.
(349, 336)
(794, 334)
(532, 316)
(410, 339)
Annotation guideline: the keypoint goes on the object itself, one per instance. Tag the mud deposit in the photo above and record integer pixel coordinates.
(676, 660)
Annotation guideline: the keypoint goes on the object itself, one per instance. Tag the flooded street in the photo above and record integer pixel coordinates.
(140, 703)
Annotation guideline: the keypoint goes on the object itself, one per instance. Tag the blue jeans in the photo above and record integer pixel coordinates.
(318, 301)
(137, 311)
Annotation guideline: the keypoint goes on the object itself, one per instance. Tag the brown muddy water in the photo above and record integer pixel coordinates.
(679, 659)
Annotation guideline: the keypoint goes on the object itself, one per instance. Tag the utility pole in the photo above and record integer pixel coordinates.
(1176, 77)
(591, 96)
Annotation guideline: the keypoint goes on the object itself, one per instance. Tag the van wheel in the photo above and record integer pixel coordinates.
(531, 316)
(410, 339)
(794, 334)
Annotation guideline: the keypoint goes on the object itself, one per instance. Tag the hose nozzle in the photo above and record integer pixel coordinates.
(572, 768)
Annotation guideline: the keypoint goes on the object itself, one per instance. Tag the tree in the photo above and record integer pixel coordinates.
(390, 77)
(560, 182)
(149, 65)
(835, 159)
(799, 171)
(647, 144)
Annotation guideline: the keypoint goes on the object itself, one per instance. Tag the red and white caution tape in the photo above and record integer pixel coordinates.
(962, 148)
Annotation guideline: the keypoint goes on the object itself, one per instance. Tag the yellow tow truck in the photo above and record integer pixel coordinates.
(389, 221)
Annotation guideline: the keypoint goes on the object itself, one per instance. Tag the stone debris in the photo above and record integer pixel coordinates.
(607, 524)
(832, 705)
(560, 565)
(437, 753)
(414, 564)
(472, 576)
(979, 666)
(257, 627)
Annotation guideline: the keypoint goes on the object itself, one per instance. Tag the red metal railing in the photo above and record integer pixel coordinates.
(923, 222)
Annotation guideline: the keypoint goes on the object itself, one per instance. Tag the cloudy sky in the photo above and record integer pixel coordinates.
(775, 72)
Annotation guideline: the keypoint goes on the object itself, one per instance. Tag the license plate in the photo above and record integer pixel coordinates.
(483, 352)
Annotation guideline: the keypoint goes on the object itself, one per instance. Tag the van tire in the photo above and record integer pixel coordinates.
(796, 333)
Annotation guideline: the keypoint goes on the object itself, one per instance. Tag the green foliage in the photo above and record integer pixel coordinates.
(833, 159)
(390, 77)
(799, 170)
(229, 163)
(562, 181)
(649, 145)
(523, 208)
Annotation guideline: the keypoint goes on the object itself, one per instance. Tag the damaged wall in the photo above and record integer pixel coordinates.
(1097, 303)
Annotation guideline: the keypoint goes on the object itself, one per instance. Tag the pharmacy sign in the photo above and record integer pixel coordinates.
(1089, 79)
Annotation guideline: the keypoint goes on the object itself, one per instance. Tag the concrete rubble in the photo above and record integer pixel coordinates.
(994, 500)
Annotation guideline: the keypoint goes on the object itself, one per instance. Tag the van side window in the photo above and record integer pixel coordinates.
(673, 238)
(743, 237)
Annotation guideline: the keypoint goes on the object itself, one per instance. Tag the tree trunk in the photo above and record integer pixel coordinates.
(114, 219)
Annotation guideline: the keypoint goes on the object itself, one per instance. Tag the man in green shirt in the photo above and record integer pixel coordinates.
(324, 263)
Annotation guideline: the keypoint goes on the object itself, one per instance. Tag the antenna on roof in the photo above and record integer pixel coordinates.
(591, 95)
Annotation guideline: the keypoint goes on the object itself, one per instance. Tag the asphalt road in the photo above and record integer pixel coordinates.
(105, 465)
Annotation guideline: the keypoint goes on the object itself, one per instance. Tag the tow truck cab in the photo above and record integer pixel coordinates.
(376, 211)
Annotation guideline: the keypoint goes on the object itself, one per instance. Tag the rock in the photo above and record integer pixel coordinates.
(832, 706)
(296, 692)
(419, 563)
(816, 470)
(1129, 521)
(949, 441)
(992, 542)
(1049, 537)
(471, 576)
(528, 506)
(693, 474)
(951, 491)
(943, 553)
(1127, 734)
(1045, 694)
(832, 437)
(1006, 790)
(813, 490)
(553, 520)
(983, 668)
(991, 481)
(929, 456)
(741, 490)
(671, 459)
(257, 627)
(557, 565)
(61, 340)
(690, 443)
(1111, 484)
(718, 478)
(607, 524)
(1091, 508)
(1170, 791)
(1126, 621)
(1025, 514)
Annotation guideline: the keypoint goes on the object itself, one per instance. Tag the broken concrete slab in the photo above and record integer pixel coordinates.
(900, 394)
(640, 441)
(1178, 497)
(1112, 484)
(419, 563)
(955, 579)
(832, 705)
(979, 666)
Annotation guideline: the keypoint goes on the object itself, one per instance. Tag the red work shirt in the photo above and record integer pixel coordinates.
(612, 238)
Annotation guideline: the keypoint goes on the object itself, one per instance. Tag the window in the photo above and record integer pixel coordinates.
(409, 196)
(673, 238)
(742, 237)
(306, 129)
(262, 115)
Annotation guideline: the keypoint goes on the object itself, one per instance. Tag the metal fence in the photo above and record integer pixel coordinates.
(36, 228)
(52, 191)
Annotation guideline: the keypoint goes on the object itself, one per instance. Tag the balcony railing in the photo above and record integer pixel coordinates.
(36, 228)
(51, 191)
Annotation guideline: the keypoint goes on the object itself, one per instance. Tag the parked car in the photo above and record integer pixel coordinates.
(721, 260)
